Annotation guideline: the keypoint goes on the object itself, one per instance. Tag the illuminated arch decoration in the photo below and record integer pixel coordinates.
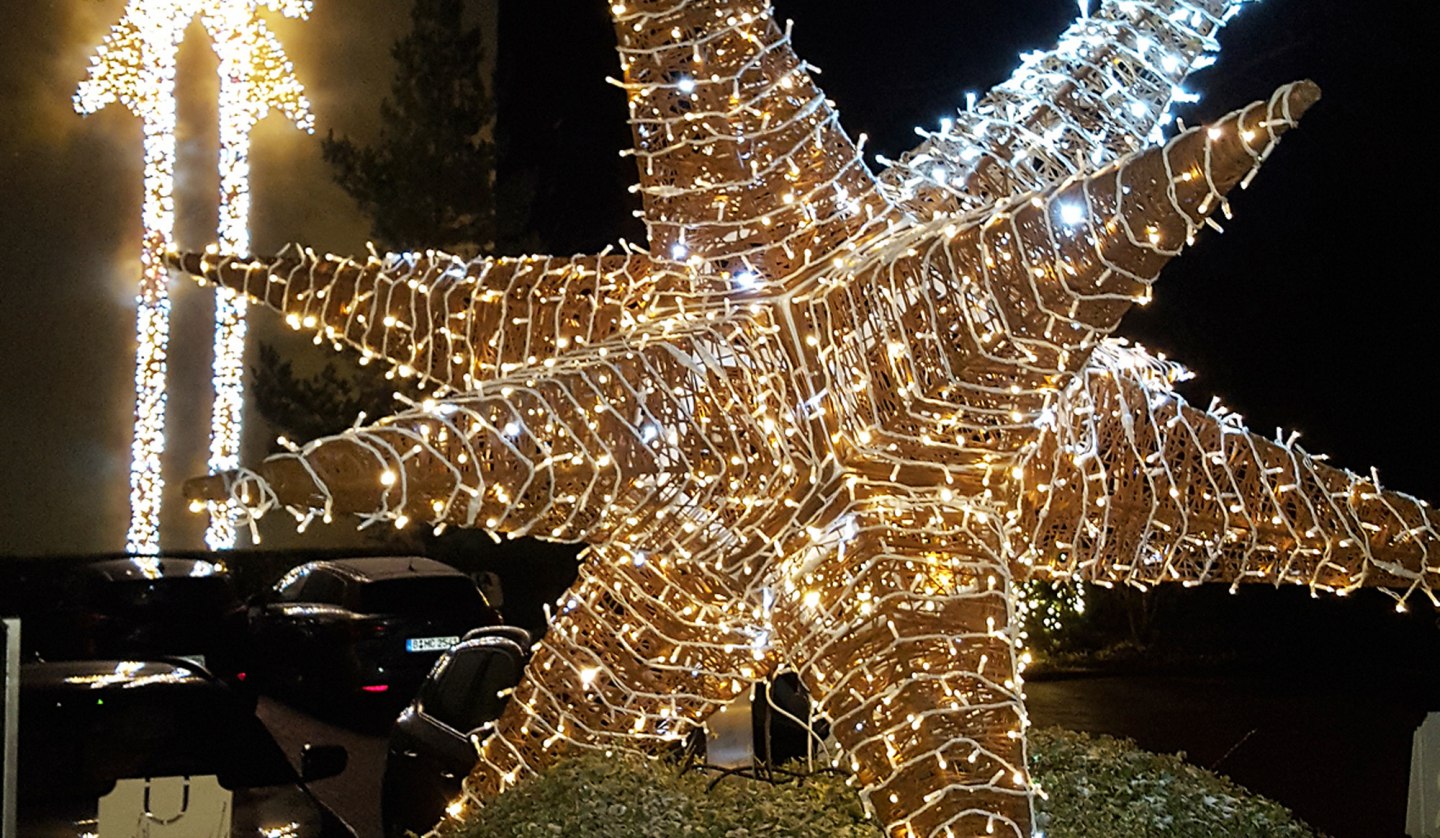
(135, 65)
(830, 418)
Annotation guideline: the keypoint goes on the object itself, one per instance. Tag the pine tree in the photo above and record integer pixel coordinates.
(306, 407)
(429, 178)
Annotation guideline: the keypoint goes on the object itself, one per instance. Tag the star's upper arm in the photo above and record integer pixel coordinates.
(452, 322)
(742, 161)
(1027, 291)
(1103, 91)
(1131, 484)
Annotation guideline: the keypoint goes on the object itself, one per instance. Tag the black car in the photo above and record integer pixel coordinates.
(163, 746)
(431, 749)
(150, 606)
(361, 631)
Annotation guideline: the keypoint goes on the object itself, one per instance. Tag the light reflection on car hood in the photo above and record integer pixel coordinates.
(269, 812)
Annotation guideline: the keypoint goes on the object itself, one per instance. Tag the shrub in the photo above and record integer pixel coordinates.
(1095, 786)
(1099, 787)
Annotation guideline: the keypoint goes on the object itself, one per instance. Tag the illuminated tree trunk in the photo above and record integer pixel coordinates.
(152, 334)
(228, 363)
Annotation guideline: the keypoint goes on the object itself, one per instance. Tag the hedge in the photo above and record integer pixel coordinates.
(1094, 787)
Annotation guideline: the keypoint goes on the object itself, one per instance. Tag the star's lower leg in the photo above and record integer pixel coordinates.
(641, 652)
(902, 626)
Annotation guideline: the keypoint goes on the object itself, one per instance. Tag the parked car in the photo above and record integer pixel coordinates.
(431, 750)
(151, 606)
(165, 748)
(361, 631)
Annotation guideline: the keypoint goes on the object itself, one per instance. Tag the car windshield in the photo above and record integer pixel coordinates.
(190, 594)
(75, 743)
(420, 596)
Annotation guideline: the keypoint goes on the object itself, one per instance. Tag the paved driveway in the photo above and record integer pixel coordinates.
(354, 795)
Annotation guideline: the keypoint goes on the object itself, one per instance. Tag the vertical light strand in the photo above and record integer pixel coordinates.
(152, 333)
(228, 364)
(254, 75)
(135, 66)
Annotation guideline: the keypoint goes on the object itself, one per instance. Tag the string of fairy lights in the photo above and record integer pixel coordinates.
(135, 65)
(832, 421)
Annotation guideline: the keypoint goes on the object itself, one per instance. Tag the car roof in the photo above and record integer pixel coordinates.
(111, 674)
(374, 568)
(157, 567)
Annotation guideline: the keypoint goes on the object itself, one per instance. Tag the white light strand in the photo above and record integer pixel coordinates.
(1104, 91)
(135, 66)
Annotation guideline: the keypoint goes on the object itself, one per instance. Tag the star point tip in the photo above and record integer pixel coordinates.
(1300, 96)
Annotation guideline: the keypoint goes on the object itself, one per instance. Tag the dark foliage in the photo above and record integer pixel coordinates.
(429, 178)
(1096, 787)
(307, 407)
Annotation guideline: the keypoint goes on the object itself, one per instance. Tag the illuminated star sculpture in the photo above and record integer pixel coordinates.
(831, 418)
(135, 65)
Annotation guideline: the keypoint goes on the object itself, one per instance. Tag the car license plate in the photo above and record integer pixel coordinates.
(430, 644)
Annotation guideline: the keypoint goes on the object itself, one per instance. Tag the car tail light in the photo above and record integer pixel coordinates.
(375, 688)
(240, 676)
(368, 629)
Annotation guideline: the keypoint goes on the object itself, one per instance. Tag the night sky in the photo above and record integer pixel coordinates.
(1313, 312)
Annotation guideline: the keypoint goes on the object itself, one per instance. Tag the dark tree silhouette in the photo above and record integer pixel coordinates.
(429, 180)
(306, 407)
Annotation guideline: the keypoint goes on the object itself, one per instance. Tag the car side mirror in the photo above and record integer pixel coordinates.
(320, 762)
